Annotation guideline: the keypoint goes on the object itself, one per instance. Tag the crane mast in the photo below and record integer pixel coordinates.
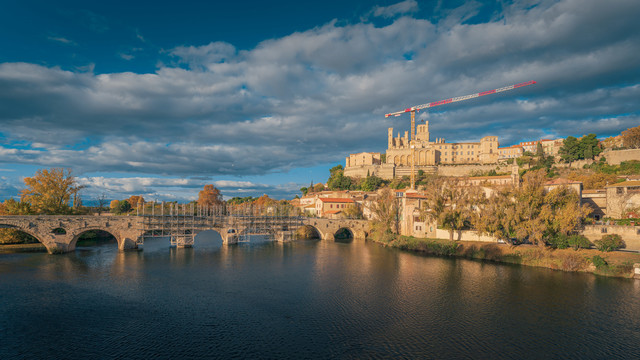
(413, 110)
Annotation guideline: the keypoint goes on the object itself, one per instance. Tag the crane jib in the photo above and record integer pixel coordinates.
(460, 98)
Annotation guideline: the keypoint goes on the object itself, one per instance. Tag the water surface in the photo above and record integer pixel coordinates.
(308, 299)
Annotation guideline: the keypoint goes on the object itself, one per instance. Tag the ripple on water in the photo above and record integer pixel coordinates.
(309, 299)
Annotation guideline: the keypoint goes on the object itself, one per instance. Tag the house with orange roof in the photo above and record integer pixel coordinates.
(332, 207)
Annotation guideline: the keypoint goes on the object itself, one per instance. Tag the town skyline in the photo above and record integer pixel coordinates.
(139, 109)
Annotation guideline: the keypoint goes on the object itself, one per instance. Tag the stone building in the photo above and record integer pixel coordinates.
(430, 153)
(622, 198)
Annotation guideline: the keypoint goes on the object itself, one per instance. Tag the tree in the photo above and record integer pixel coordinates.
(451, 203)
(570, 150)
(337, 180)
(12, 207)
(102, 202)
(497, 216)
(589, 146)
(371, 183)
(318, 187)
(304, 190)
(120, 207)
(209, 196)
(539, 151)
(631, 138)
(385, 212)
(135, 200)
(527, 213)
(50, 191)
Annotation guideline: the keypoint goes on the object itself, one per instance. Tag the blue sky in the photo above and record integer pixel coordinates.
(159, 98)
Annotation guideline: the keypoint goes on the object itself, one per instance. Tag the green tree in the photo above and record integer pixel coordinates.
(539, 151)
(337, 180)
(304, 190)
(371, 183)
(589, 147)
(570, 150)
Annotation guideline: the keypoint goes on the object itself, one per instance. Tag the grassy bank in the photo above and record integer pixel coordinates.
(14, 248)
(618, 264)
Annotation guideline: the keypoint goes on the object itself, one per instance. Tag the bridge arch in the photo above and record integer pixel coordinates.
(24, 230)
(207, 233)
(344, 234)
(77, 234)
(308, 232)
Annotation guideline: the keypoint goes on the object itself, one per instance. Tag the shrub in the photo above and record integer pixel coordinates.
(598, 261)
(579, 242)
(609, 242)
(558, 241)
(573, 262)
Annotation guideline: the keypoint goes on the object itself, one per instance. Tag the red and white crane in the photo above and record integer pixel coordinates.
(413, 110)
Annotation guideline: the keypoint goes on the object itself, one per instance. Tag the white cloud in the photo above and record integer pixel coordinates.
(313, 97)
(404, 7)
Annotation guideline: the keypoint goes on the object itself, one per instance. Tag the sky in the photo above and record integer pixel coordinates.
(160, 98)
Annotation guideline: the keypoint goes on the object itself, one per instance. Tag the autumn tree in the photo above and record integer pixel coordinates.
(497, 216)
(120, 206)
(135, 200)
(562, 211)
(318, 187)
(209, 196)
(451, 203)
(50, 191)
(385, 212)
(631, 138)
(531, 213)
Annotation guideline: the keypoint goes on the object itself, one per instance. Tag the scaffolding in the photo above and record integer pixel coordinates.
(182, 222)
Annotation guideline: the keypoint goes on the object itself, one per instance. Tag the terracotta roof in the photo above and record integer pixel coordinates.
(336, 200)
(626, 183)
(562, 181)
(416, 196)
(593, 191)
(490, 177)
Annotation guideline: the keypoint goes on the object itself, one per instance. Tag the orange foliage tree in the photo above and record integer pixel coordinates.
(134, 200)
(209, 196)
(50, 191)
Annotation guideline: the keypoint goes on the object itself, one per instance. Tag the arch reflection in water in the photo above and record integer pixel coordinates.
(343, 235)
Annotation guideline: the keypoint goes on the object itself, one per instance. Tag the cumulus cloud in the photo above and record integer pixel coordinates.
(170, 189)
(313, 97)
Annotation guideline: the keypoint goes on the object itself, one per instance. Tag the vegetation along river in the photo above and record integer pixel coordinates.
(306, 299)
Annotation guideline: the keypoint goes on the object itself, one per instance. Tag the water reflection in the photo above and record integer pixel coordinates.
(305, 299)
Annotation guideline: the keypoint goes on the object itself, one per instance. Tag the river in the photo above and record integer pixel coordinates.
(306, 299)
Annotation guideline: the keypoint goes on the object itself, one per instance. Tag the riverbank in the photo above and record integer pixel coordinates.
(14, 248)
(615, 264)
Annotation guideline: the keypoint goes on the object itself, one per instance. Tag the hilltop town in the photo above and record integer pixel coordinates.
(601, 176)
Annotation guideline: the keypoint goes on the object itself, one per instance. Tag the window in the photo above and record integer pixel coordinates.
(331, 206)
(603, 230)
(620, 191)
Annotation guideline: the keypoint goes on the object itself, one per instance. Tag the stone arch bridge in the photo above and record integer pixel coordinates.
(60, 233)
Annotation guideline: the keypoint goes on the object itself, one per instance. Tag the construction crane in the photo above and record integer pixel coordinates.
(413, 110)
